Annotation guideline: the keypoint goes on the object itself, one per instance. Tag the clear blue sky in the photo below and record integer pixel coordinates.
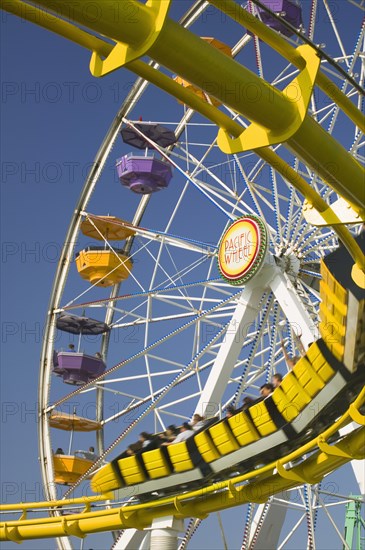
(53, 118)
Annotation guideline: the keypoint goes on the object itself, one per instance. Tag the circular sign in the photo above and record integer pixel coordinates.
(242, 250)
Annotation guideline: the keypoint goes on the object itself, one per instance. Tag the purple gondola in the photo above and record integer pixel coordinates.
(74, 324)
(143, 175)
(78, 368)
(155, 132)
(57, 370)
(289, 10)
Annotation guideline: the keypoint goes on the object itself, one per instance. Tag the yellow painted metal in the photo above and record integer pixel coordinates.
(57, 25)
(356, 415)
(223, 121)
(185, 95)
(308, 141)
(333, 339)
(197, 503)
(331, 299)
(192, 58)
(156, 464)
(8, 528)
(222, 438)
(298, 92)
(131, 470)
(338, 322)
(200, 93)
(86, 40)
(103, 267)
(206, 447)
(314, 198)
(336, 348)
(139, 41)
(321, 366)
(110, 228)
(283, 47)
(196, 61)
(334, 313)
(223, 77)
(293, 474)
(334, 450)
(288, 410)
(179, 456)
(307, 377)
(333, 163)
(69, 468)
(242, 428)
(105, 480)
(333, 284)
(358, 276)
(262, 419)
(124, 21)
(339, 98)
(272, 38)
(295, 392)
(346, 418)
(269, 156)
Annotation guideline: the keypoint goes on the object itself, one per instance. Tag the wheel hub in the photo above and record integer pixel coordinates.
(290, 263)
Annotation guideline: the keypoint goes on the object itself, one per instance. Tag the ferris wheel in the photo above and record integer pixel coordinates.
(148, 321)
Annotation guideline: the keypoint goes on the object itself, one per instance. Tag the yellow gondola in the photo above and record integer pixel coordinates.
(103, 267)
(71, 422)
(109, 227)
(197, 91)
(69, 468)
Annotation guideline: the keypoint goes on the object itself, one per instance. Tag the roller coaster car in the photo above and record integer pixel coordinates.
(309, 398)
(342, 310)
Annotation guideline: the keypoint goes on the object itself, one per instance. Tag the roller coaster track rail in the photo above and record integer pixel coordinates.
(308, 464)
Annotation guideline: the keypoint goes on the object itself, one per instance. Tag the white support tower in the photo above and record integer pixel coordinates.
(270, 277)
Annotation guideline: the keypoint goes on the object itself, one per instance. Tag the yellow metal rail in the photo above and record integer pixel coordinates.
(282, 46)
(103, 49)
(256, 486)
(150, 32)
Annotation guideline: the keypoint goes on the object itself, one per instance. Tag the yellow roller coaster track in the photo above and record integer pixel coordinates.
(292, 126)
(256, 486)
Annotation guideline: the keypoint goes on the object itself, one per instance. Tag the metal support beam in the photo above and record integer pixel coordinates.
(243, 316)
(293, 308)
(267, 524)
(164, 533)
(357, 466)
(131, 539)
(354, 524)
